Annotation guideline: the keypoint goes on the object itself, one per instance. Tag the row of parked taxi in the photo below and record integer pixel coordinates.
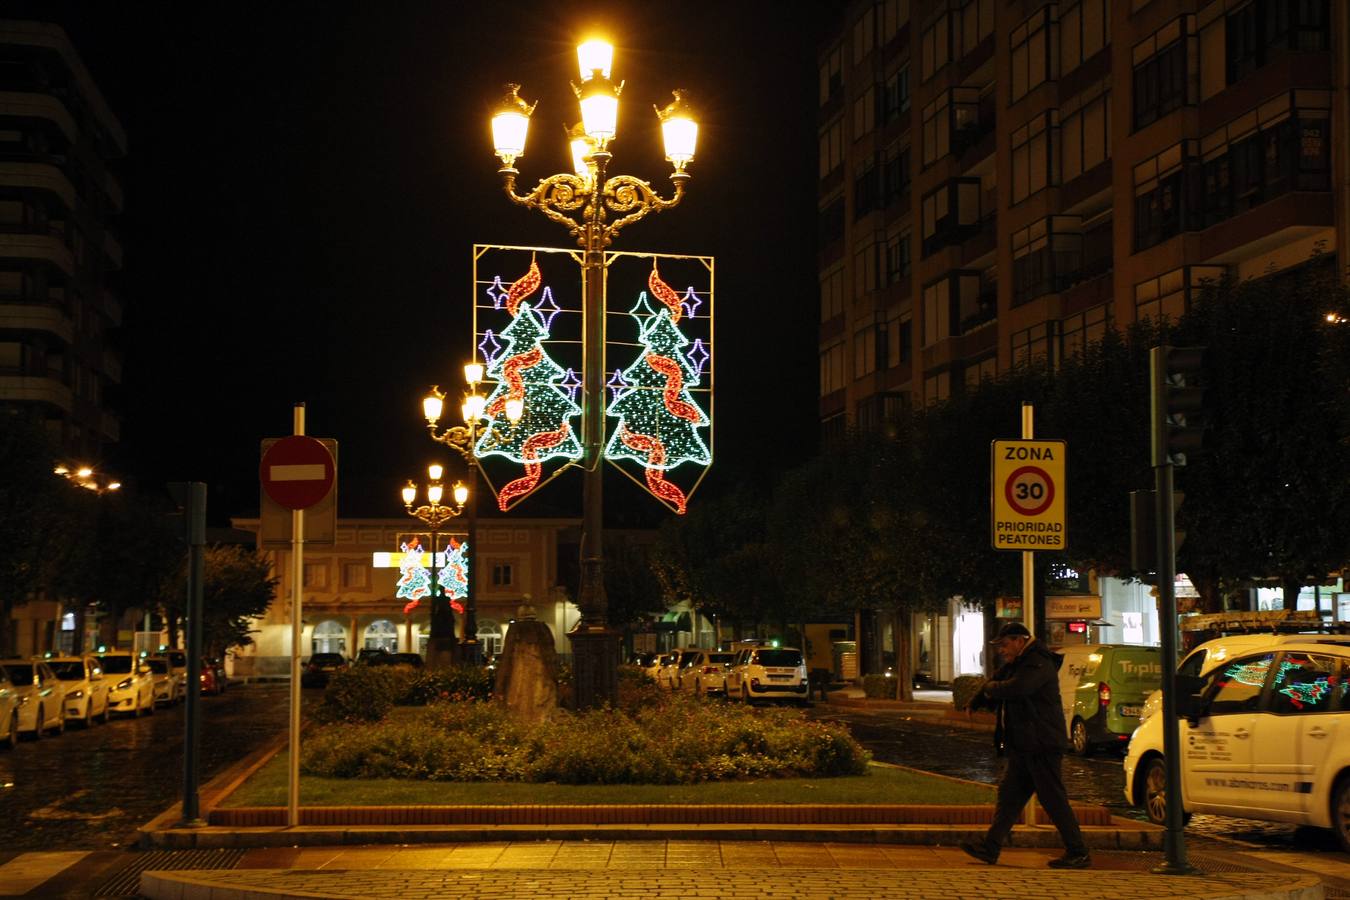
(42, 695)
(750, 673)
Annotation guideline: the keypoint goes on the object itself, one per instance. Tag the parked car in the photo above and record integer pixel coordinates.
(9, 712)
(216, 666)
(1102, 688)
(86, 688)
(371, 656)
(132, 688)
(169, 688)
(178, 663)
(1258, 739)
(669, 675)
(769, 673)
(320, 667)
(41, 695)
(405, 659)
(705, 672)
(652, 664)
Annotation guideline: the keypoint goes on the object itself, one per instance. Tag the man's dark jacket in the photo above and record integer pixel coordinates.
(1024, 695)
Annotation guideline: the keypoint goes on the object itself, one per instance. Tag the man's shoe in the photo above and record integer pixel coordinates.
(982, 852)
(1072, 861)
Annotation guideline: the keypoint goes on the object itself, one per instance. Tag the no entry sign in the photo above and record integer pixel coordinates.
(1028, 495)
(297, 471)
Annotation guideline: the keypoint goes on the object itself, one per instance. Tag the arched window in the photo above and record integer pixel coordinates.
(381, 634)
(329, 637)
(489, 637)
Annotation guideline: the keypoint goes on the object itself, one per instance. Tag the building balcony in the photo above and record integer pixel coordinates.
(38, 176)
(37, 317)
(1289, 219)
(112, 249)
(112, 366)
(111, 425)
(38, 246)
(36, 389)
(27, 105)
(112, 307)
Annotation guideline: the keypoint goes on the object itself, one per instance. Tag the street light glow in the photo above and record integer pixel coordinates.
(679, 131)
(432, 404)
(510, 125)
(473, 373)
(595, 56)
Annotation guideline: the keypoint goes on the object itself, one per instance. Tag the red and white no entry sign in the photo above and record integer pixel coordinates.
(297, 471)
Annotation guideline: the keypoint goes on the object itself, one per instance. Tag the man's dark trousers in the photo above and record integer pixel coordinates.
(1038, 772)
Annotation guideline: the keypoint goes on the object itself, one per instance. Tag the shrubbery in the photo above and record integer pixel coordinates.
(652, 739)
(964, 689)
(367, 693)
(879, 687)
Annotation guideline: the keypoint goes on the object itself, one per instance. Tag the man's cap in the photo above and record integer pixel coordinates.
(1011, 629)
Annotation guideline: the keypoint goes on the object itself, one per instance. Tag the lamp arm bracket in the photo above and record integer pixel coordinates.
(556, 196)
(457, 438)
(632, 199)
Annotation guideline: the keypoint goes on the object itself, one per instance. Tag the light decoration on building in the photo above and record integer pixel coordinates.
(526, 374)
(414, 581)
(658, 420)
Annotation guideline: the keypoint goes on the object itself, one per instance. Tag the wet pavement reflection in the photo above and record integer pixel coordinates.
(89, 790)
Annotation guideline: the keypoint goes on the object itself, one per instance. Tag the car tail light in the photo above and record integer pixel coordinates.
(1103, 695)
(708, 670)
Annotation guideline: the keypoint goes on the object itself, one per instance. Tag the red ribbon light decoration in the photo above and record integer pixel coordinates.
(663, 292)
(656, 479)
(544, 440)
(674, 384)
(527, 285)
(515, 382)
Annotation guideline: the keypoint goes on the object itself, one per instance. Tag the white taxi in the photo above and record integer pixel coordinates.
(1266, 737)
(132, 688)
(40, 694)
(86, 688)
(769, 673)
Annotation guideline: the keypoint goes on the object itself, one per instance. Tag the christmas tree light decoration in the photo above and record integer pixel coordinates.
(663, 292)
(454, 574)
(616, 385)
(526, 285)
(524, 372)
(414, 580)
(658, 418)
(572, 383)
(1252, 674)
(698, 357)
(691, 302)
(489, 346)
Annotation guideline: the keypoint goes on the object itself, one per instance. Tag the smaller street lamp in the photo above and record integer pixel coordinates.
(434, 515)
(462, 439)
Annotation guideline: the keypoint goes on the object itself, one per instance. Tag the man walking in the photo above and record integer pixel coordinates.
(1024, 694)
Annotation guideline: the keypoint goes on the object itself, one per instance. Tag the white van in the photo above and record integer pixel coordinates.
(1260, 739)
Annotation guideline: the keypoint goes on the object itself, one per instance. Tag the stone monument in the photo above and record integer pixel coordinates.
(527, 674)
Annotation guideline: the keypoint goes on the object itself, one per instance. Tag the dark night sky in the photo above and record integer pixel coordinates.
(305, 183)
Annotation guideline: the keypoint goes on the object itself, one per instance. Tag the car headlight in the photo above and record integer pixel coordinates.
(23, 701)
(74, 695)
(124, 684)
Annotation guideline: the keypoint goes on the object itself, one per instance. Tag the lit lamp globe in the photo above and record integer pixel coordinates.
(434, 493)
(432, 406)
(679, 131)
(473, 406)
(409, 494)
(510, 124)
(461, 493)
(473, 373)
(598, 95)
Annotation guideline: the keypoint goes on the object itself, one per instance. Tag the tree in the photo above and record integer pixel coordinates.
(238, 586)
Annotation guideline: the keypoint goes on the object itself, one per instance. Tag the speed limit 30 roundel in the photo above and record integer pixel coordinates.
(1027, 495)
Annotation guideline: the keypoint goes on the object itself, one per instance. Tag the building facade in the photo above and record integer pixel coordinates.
(1001, 182)
(349, 600)
(59, 198)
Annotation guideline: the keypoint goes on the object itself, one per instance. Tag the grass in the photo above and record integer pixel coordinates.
(882, 785)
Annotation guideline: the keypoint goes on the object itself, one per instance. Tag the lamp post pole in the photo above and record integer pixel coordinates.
(462, 439)
(594, 206)
(441, 649)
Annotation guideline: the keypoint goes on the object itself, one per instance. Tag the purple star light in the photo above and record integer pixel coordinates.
(690, 302)
(547, 309)
(489, 346)
(698, 357)
(571, 383)
(616, 384)
(497, 291)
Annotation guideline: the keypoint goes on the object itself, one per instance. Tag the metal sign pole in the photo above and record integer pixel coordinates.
(1029, 574)
(297, 629)
(195, 518)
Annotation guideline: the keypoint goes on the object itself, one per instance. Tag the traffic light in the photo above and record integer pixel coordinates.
(1144, 531)
(1176, 401)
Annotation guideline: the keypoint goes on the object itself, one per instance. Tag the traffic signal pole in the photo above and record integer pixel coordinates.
(1174, 840)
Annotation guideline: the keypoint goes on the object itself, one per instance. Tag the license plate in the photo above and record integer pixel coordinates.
(779, 677)
(1132, 711)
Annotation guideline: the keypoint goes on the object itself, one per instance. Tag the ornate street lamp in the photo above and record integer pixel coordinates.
(593, 206)
(434, 514)
(461, 439)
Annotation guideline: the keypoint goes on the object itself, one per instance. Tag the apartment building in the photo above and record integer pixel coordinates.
(1002, 180)
(58, 198)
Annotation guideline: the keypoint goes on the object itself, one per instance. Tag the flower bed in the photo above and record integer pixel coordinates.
(652, 738)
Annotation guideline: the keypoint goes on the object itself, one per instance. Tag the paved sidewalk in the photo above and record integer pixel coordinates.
(693, 870)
